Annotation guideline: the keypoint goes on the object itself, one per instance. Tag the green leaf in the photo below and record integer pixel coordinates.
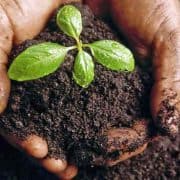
(69, 21)
(113, 55)
(83, 69)
(37, 61)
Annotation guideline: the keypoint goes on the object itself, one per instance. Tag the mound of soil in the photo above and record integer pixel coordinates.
(70, 118)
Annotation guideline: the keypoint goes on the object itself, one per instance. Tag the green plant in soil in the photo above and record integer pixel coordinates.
(40, 60)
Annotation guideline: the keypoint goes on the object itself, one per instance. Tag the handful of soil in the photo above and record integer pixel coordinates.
(72, 119)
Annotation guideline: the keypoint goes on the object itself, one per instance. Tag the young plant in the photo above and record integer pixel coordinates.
(45, 58)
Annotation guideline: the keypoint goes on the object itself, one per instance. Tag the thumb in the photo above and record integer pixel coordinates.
(165, 104)
(28, 17)
(4, 85)
(6, 36)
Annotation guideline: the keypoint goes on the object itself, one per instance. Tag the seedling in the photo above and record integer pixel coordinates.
(40, 60)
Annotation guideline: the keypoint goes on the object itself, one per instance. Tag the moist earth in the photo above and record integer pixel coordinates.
(70, 118)
(161, 161)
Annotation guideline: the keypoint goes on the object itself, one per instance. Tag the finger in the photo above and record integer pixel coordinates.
(36, 147)
(124, 143)
(53, 165)
(69, 173)
(6, 36)
(5, 46)
(125, 138)
(127, 155)
(165, 107)
(165, 98)
(33, 145)
(4, 87)
(29, 25)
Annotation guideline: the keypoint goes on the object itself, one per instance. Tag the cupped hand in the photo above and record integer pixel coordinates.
(21, 20)
(152, 29)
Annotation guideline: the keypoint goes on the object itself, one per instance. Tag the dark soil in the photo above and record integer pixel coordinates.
(70, 118)
(161, 161)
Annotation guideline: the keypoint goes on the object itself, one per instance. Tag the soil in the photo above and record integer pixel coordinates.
(70, 118)
(161, 161)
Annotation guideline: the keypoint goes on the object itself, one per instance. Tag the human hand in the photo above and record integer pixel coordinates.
(152, 29)
(21, 20)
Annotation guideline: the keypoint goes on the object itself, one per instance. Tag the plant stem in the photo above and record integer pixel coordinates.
(79, 44)
(72, 47)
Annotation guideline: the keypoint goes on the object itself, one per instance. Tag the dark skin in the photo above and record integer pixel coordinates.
(152, 29)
